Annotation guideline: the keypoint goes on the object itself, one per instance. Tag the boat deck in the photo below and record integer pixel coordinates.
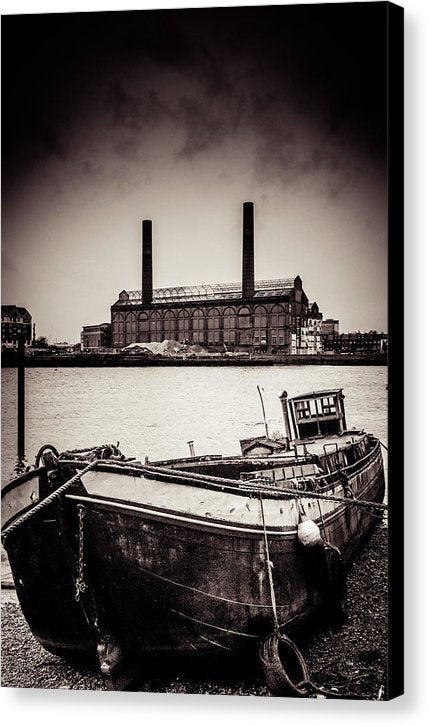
(317, 446)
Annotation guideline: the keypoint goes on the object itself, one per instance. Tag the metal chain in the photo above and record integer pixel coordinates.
(81, 585)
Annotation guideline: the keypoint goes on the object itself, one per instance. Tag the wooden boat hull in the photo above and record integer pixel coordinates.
(164, 580)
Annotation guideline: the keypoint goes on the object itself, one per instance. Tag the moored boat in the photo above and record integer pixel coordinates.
(119, 557)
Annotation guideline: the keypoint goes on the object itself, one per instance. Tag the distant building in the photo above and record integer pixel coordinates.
(65, 347)
(94, 337)
(311, 333)
(15, 321)
(357, 342)
(330, 326)
(266, 316)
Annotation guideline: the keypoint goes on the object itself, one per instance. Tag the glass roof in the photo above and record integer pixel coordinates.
(222, 290)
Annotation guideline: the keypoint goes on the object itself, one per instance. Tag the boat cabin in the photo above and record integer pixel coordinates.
(261, 445)
(320, 413)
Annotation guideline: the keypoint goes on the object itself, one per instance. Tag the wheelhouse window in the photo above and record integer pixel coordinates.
(328, 406)
(303, 409)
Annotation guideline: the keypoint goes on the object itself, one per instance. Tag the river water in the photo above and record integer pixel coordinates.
(155, 411)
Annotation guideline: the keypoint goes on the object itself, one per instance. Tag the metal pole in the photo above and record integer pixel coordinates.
(21, 396)
(263, 412)
(284, 401)
(191, 448)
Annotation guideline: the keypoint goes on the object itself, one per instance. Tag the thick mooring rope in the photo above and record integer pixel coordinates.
(279, 493)
(88, 449)
(46, 502)
(306, 687)
(269, 570)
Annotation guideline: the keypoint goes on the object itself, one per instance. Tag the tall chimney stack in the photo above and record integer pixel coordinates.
(147, 285)
(248, 280)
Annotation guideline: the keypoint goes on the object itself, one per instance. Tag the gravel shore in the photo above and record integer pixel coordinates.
(351, 658)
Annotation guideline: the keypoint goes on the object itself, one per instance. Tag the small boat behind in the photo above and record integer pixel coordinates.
(120, 558)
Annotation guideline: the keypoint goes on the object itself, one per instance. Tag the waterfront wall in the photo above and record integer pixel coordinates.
(77, 360)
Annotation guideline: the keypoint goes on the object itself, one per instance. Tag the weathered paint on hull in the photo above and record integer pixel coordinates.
(42, 566)
(165, 584)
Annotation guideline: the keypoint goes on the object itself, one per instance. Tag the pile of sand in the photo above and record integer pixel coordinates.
(167, 348)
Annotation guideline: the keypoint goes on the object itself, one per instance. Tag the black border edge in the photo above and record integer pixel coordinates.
(395, 210)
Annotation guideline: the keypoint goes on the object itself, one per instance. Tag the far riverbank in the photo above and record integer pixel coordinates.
(85, 360)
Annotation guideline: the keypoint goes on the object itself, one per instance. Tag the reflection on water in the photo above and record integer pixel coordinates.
(156, 411)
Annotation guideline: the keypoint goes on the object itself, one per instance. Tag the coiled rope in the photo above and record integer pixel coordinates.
(277, 678)
(89, 449)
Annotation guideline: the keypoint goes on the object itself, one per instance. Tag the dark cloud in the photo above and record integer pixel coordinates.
(90, 170)
(268, 71)
(48, 139)
(135, 111)
(203, 130)
(215, 78)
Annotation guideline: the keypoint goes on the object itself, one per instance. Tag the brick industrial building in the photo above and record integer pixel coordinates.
(94, 337)
(15, 321)
(330, 327)
(254, 316)
(362, 343)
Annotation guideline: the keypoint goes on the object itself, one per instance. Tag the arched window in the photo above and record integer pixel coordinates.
(244, 318)
(198, 326)
(118, 330)
(229, 326)
(278, 326)
(170, 325)
(213, 326)
(245, 326)
(183, 326)
(143, 328)
(156, 327)
(130, 328)
(260, 326)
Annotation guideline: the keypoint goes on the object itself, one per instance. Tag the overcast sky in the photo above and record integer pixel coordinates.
(180, 116)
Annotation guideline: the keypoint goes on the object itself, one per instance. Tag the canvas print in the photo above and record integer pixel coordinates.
(201, 231)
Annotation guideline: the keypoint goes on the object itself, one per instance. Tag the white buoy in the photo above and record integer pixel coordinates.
(308, 532)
